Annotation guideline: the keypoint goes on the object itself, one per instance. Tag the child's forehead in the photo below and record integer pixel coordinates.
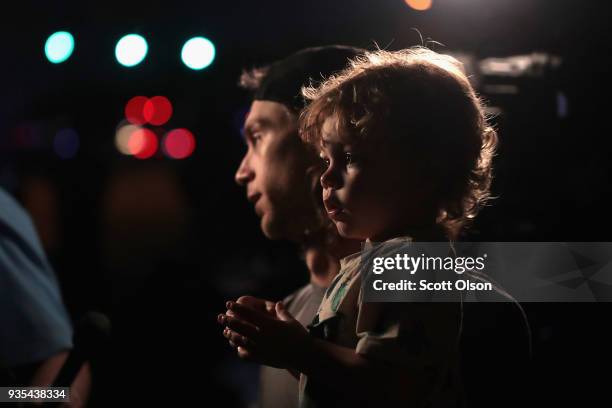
(335, 141)
(332, 133)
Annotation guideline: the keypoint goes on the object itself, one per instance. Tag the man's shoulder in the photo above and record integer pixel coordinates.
(15, 222)
(11, 210)
(304, 294)
(30, 297)
(304, 302)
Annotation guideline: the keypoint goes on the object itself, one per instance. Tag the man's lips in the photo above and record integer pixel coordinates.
(254, 198)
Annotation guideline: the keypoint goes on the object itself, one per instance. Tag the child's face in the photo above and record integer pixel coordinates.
(369, 190)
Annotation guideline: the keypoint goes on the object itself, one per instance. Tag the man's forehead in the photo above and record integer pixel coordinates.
(255, 120)
(267, 112)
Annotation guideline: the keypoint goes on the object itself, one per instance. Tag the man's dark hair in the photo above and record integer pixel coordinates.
(282, 81)
(250, 79)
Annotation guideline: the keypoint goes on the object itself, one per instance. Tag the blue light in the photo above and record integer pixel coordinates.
(198, 53)
(59, 47)
(66, 143)
(131, 50)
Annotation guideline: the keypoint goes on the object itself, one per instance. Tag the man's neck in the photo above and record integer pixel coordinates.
(322, 266)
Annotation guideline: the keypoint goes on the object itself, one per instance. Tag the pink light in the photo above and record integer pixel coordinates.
(157, 110)
(142, 143)
(179, 143)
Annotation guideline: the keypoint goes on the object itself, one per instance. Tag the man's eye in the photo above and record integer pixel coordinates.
(255, 137)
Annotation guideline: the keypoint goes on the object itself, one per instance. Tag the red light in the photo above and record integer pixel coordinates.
(142, 143)
(134, 110)
(179, 143)
(157, 110)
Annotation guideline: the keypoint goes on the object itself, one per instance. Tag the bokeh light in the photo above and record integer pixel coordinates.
(562, 105)
(198, 53)
(157, 110)
(59, 47)
(27, 136)
(122, 137)
(142, 143)
(66, 143)
(134, 110)
(420, 5)
(131, 50)
(179, 144)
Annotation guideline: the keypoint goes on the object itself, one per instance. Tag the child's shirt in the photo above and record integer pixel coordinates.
(421, 338)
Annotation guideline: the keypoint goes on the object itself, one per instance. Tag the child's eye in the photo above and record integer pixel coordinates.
(348, 158)
(324, 159)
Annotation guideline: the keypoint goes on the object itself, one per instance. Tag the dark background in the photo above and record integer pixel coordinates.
(158, 245)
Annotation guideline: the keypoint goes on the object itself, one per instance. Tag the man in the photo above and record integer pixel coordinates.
(281, 176)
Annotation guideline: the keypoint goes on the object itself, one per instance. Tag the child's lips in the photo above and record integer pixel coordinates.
(334, 210)
(338, 215)
(331, 205)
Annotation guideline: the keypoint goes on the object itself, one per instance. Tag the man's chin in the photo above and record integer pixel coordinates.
(270, 228)
(275, 228)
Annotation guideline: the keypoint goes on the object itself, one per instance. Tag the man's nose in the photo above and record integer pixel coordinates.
(244, 174)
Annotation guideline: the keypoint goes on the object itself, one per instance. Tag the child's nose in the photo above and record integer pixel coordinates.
(330, 178)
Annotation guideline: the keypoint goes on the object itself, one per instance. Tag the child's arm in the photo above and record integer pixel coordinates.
(344, 368)
(285, 343)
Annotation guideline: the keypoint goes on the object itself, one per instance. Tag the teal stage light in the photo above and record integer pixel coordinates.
(59, 47)
(131, 50)
(198, 53)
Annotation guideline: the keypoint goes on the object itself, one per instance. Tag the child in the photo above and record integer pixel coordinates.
(408, 153)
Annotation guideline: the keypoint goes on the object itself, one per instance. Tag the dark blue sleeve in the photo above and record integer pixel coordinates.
(34, 324)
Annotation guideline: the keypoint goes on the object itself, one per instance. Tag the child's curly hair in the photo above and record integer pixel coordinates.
(423, 102)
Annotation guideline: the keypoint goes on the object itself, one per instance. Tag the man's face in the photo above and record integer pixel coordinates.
(273, 171)
(367, 190)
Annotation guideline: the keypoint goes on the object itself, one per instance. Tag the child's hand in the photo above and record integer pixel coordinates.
(275, 340)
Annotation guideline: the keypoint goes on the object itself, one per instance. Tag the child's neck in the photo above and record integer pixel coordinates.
(423, 233)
